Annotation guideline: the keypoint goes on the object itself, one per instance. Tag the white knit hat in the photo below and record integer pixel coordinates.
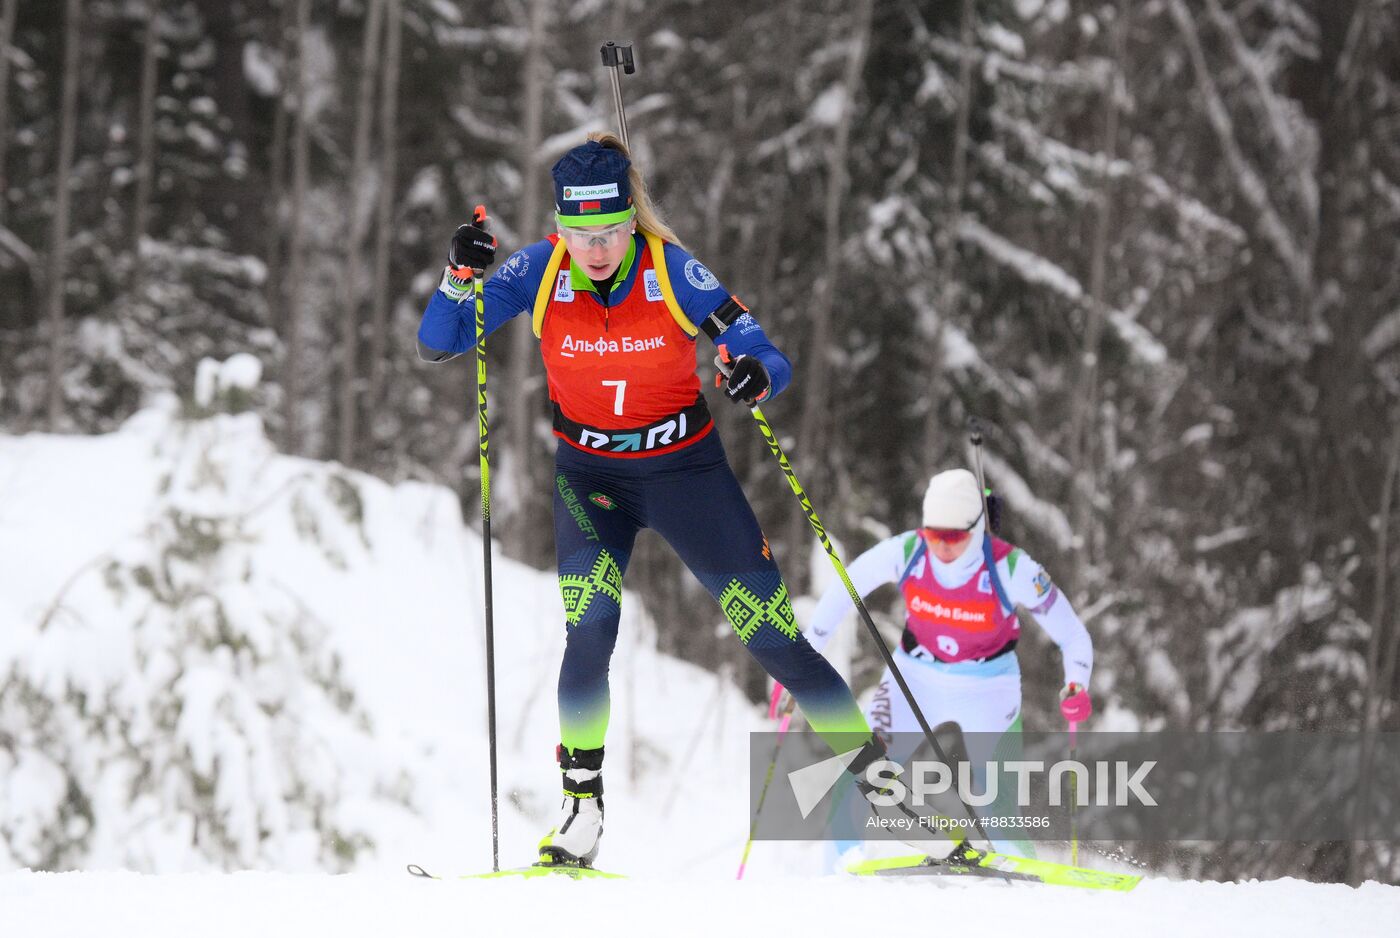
(952, 500)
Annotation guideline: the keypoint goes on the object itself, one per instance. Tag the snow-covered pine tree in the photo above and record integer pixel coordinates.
(179, 704)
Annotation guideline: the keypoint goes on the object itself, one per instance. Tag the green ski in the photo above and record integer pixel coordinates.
(534, 871)
(967, 861)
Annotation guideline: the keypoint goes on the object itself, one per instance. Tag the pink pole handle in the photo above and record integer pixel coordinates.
(773, 700)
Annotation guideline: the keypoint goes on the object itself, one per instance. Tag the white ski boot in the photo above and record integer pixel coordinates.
(574, 840)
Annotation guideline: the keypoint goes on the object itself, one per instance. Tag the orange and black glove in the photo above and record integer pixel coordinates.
(472, 250)
(745, 379)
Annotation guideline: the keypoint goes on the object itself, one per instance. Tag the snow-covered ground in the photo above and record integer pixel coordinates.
(214, 657)
(244, 660)
(659, 901)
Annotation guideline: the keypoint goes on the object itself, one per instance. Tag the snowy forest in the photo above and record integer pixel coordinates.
(1154, 245)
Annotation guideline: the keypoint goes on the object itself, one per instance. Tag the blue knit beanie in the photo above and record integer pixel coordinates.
(591, 186)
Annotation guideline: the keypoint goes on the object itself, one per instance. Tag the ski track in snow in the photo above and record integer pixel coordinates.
(58, 905)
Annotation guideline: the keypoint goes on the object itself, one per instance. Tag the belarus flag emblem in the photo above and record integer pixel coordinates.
(591, 207)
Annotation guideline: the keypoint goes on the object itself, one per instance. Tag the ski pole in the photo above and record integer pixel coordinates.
(614, 55)
(479, 218)
(1073, 798)
(974, 431)
(767, 780)
(777, 450)
(974, 428)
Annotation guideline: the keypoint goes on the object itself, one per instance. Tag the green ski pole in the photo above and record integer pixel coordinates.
(820, 530)
(479, 219)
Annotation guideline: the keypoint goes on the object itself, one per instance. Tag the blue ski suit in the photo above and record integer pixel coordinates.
(639, 450)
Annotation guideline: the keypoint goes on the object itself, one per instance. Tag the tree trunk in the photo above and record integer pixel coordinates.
(523, 406)
(1283, 137)
(815, 418)
(1271, 226)
(948, 282)
(1378, 675)
(947, 287)
(838, 183)
(7, 31)
(384, 218)
(146, 145)
(296, 264)
(57, 274)
(361, 206)
(1083, 421)
(277, 173)
(966, 25)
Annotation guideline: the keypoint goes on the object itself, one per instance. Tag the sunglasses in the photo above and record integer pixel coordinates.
(948, 535)
(596, 237)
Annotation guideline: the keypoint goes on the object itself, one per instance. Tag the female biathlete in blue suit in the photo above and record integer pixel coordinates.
(617, 304)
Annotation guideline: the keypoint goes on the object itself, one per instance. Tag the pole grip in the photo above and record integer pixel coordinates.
(615, 54)
(618, 53)
(974, 430)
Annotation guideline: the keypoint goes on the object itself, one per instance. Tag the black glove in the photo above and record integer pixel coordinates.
(471, 245)
(748, 380)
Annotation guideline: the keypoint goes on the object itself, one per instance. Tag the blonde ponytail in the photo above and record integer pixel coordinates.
(648, 219)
